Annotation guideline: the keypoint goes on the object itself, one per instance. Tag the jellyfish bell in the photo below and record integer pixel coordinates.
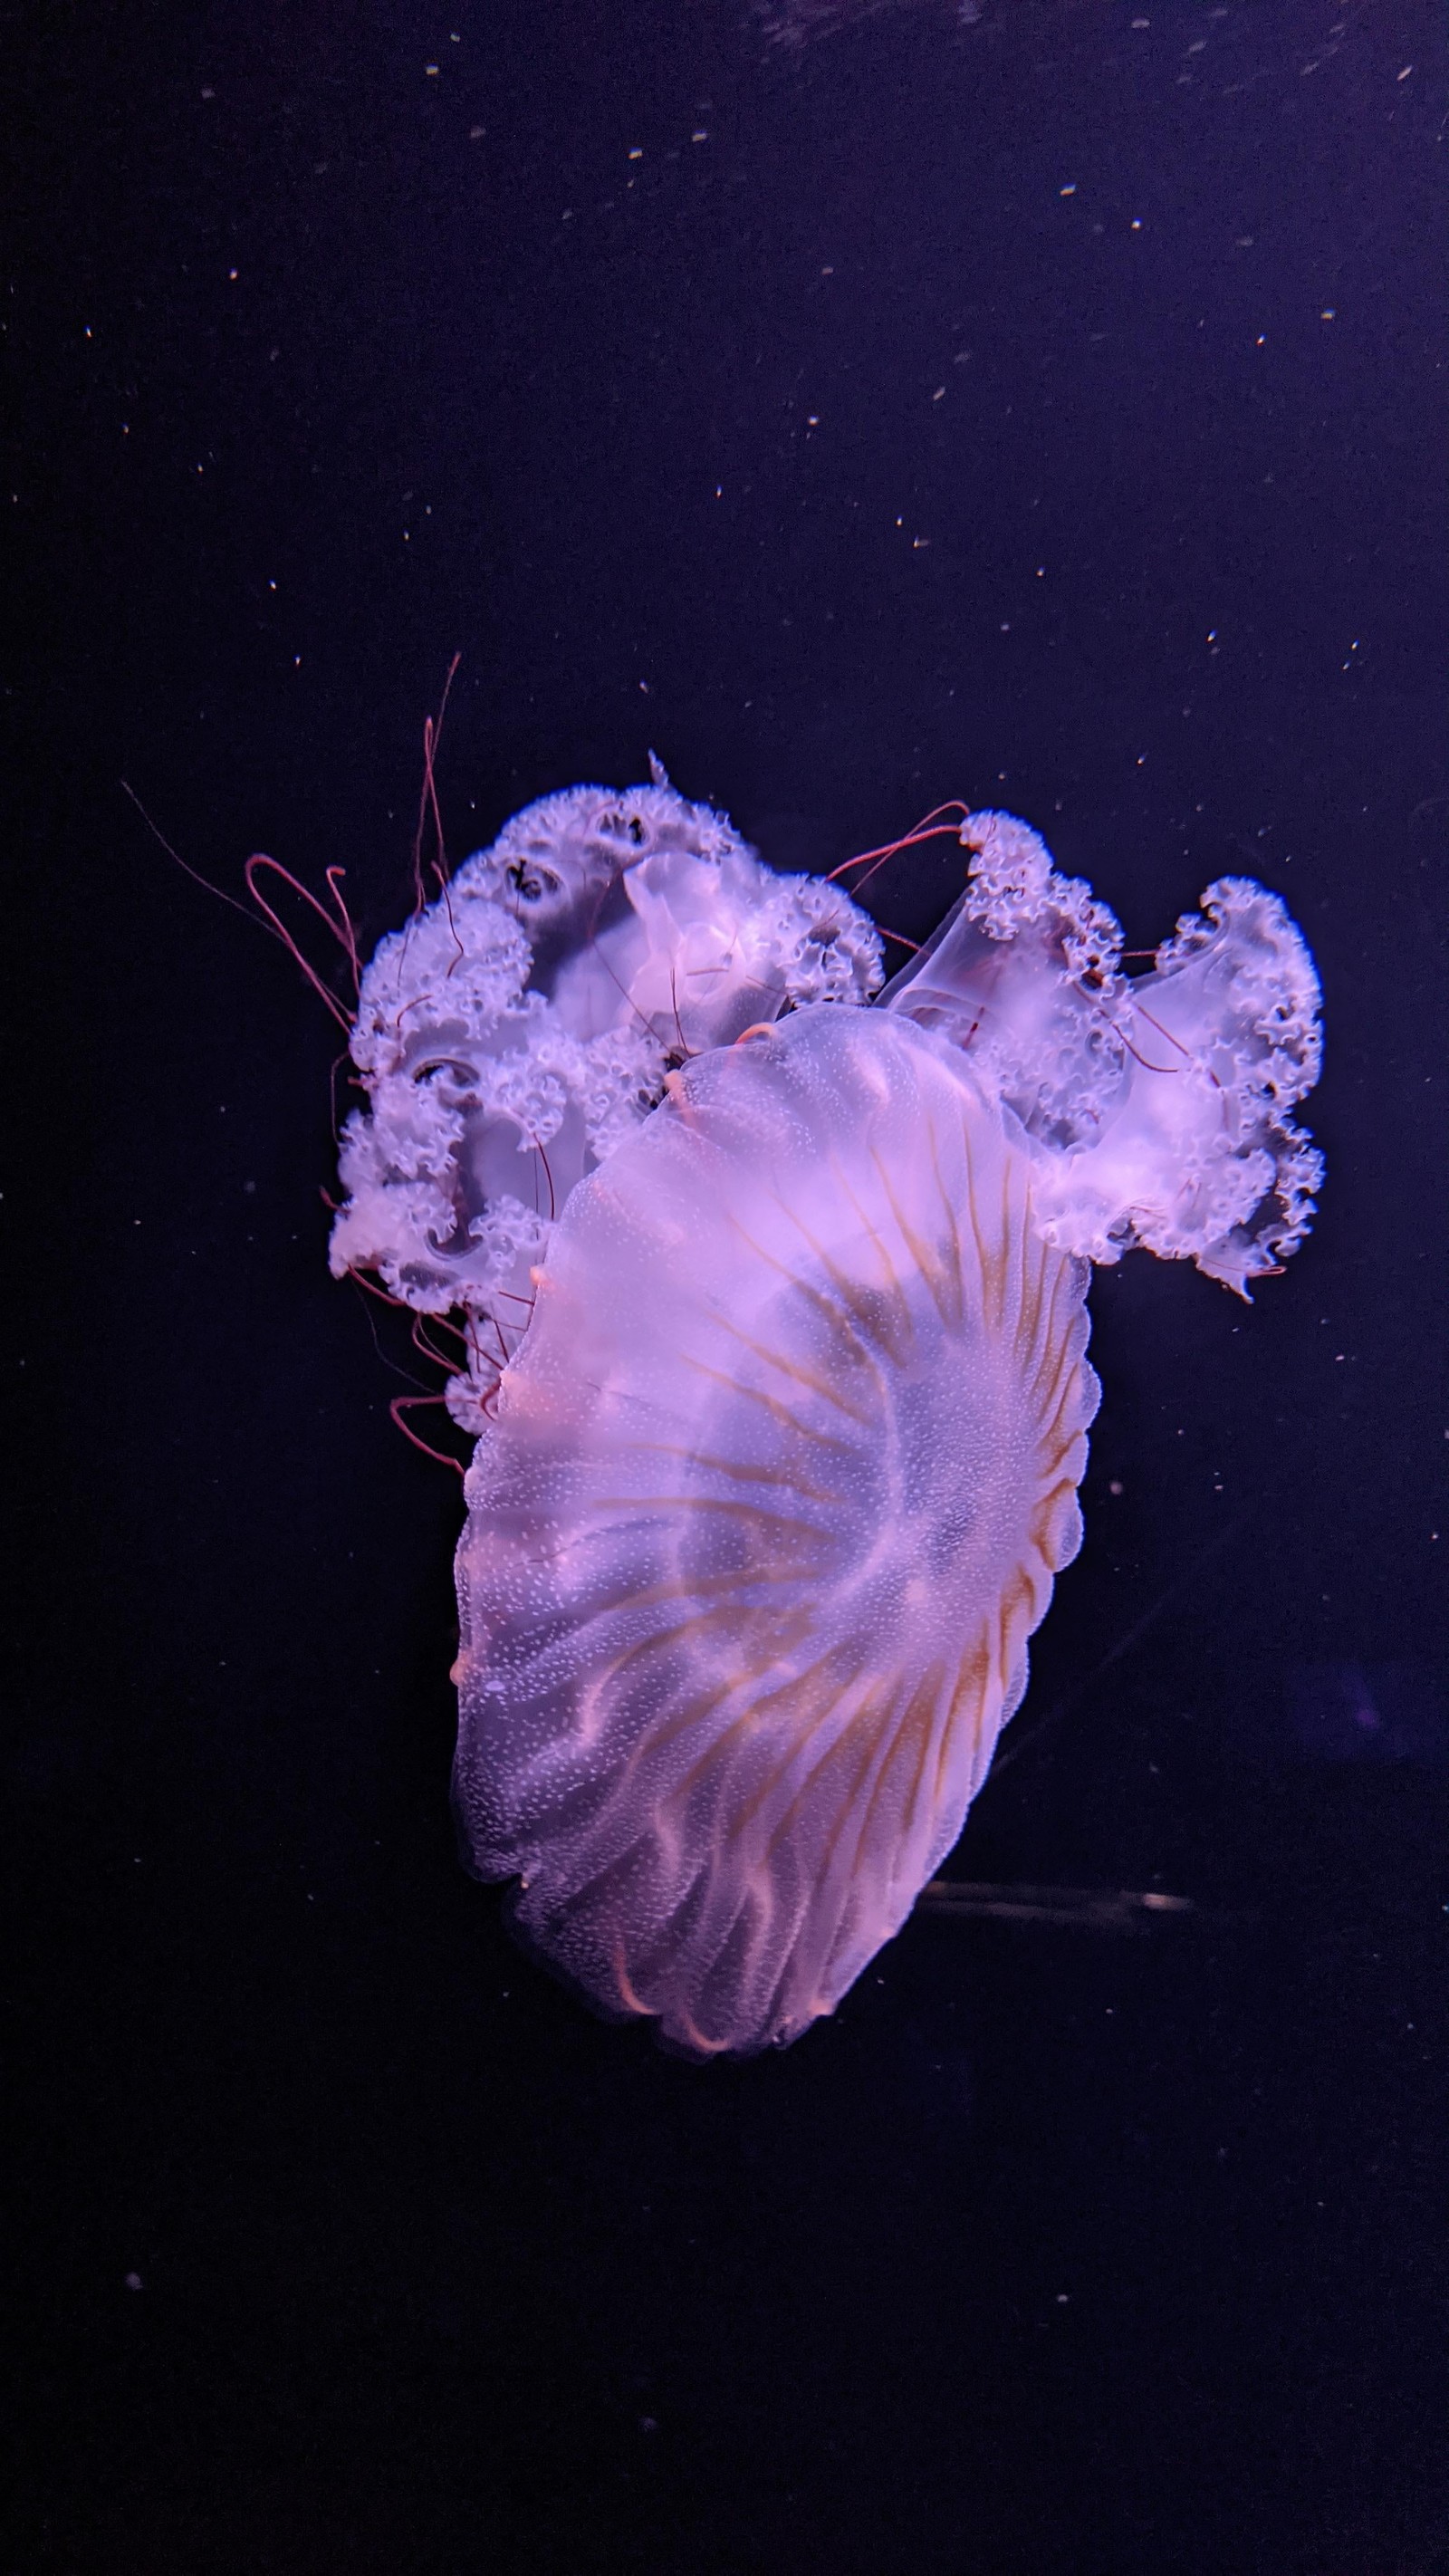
(772, 1499)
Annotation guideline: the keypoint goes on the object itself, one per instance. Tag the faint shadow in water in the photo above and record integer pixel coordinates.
(796, 23)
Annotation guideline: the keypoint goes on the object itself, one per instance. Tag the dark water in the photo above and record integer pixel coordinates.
(1044, 410)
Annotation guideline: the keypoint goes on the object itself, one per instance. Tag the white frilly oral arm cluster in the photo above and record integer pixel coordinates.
(520, 1027)
(1155, 1108)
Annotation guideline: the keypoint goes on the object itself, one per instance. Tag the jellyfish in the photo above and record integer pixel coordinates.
(781, 1456)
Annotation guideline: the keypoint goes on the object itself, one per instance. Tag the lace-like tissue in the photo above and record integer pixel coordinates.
(518, 1029)
(1154, 1108)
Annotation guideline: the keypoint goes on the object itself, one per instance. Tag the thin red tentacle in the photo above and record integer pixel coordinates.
(375, 1288)
(428, 797)
(425, 1348)
(254, 865)
(402, 1404)
(929, 828)
(184, 865)
(1135, 1052)
(347, 934)
(1172, 1040)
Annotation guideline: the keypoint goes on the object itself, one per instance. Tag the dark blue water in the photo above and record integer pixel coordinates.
(1042, 408)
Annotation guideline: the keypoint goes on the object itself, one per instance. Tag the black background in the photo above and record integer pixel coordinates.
(1043, 410)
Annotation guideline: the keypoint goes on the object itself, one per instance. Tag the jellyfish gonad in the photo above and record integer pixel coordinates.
(774, 1302)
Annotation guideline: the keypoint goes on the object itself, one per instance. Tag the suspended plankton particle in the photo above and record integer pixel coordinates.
(782, 1434)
